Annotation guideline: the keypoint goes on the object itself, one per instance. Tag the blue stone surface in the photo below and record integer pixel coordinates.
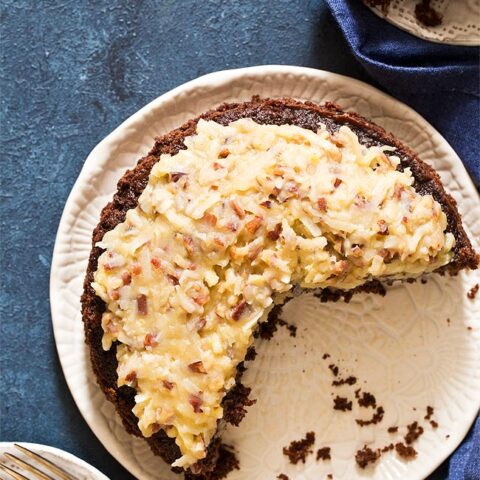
(70, 73)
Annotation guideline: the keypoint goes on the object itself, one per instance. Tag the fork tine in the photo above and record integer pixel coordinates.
(38, 474)
(12, 473)
(50, 466)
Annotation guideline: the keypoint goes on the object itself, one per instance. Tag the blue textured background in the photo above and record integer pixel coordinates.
(71, 71)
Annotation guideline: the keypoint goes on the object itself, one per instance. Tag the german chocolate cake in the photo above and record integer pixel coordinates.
(230, 215)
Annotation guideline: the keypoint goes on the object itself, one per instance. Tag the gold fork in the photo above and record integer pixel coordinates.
(25, 467)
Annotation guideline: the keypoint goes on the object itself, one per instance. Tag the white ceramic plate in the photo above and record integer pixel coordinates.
(459, 25)
(401, 346)
(70, 463)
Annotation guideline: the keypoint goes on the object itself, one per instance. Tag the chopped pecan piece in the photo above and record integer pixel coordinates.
(360, 201)
(336, 141)
(176, 176)
(131, 377)
(126, 278)
(322, 204)
(201, 299)
(155, 262)
(136, 269)
(156, 427)
(254, 251)
(188, 243)
(275, 192)
(210, 219)
(196, 403)
(237, 209)
(150, 340)
(266, 204)
(382, 227)
(198, 324)
(218, 241)
(340, 267)
(275, 233)
(356, 252)
(168, 385)
(398, 190)
(142, 305)
(337, 183)
(238, 310)
(197, 367)
(232, 226)
(254, 224)
(224, 153)
(173, 279)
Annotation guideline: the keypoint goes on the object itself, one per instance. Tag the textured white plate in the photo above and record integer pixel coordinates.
(70, 463)
(460, 25)
(402, 345)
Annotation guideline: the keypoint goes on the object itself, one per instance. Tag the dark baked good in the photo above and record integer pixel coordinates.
(264, 112)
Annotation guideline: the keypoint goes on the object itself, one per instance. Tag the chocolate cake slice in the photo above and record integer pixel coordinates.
(228, 217)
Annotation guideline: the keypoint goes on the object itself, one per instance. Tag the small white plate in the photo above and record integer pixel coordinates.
(70, 463)
(460, 25)
(401, 345)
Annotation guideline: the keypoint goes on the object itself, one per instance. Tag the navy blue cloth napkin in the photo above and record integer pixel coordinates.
(441, 82)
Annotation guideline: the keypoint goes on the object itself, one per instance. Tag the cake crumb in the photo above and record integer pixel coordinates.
(330, 476)
(325, 356)
(472, 293)
(251, 354)
(429, 414)
(282, 476)
(267, 329)
(387, 448)
(333, 368)
(365, 456)
(392, 430)
(405, 451)
(298, 450)
(351, 380)
(434, 424)
(342, 404)
(447, 437)
(292, 329)
(377, 418)
(414, 431)
(323, 453)
(366, 400)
